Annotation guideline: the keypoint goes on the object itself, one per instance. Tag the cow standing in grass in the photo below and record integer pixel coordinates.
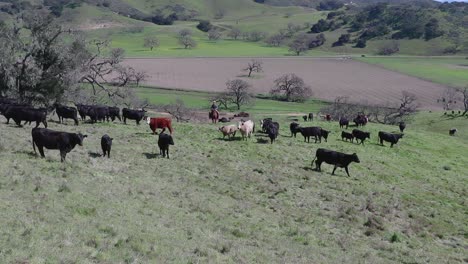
(316, 132)
(229, 131)
(389, 137)
(163, 142)
(294, 128)
(246, 128)
(136, 115)
(50, 139)
(338, 159)
(66, 112)
(106, 145)
(360, 135)
(344, 122)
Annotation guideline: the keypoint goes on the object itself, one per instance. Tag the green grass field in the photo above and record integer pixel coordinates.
(219, 201)
(201, 101)
(444, 70)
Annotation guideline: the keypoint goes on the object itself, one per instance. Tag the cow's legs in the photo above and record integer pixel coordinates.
(45, 123)
(167, 150)
(334, 168)
(318, 164)
(347, 172)
(391, 145)
(41, 151)
(63, 154)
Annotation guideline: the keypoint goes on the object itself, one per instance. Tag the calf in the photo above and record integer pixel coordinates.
(452, 131)
(316, 132)
(246, 128)
(106, 145)
(335, 158)
(65, 112)
(347, 136)
(293, 127)
(311, 116)
(344, 122)
(49, 139)
(163, 142)
(360, 135)
(389, 137)
(402, 126)
(136, 115)
(264, 123)
(272, 130)
(305, 118)
(159, 122)
(229, 131)
(114, 112)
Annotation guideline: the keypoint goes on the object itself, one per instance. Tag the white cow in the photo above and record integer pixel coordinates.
(246, 128)
(228, 131)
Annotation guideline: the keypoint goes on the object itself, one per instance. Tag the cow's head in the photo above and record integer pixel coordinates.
(325, 134)
(355, 158)
(400, 136)
(221, 128)
(367, 135)
(147, 119)
(79, 138)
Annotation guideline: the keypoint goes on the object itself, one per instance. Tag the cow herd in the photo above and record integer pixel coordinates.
(65, 142)
(338, 159)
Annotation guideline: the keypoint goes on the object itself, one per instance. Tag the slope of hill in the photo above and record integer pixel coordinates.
(232, 201)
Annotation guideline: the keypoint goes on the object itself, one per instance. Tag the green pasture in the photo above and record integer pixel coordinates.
(452, 71)
(233, 201)
(201, 101)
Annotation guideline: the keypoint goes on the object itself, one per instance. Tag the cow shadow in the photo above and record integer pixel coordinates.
(94, 154)
(151, 155)
(308, 168)
(29, 153)
(232, 139)
(263, 141)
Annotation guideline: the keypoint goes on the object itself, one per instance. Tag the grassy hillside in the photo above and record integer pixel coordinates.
(232, 201)
(444, 70)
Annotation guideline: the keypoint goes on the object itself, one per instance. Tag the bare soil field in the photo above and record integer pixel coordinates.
(328, 77)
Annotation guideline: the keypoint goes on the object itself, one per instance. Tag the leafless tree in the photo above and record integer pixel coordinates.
(408, 104)
(239, 92)
(124, 75)
(256, 36)
(187, 42)
(292, 29)
(178, 110)
(464, 92)
(292, 87)
(275, 40)
(214, 34)
(234, 33)
(151, 42)
(139, 76)
(254, 66)
(448, 98)
(299, 44)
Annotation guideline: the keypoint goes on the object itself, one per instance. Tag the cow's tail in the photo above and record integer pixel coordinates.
(34, 146)
(312, 163)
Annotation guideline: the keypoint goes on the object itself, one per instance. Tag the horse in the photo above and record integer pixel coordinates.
(214, 116)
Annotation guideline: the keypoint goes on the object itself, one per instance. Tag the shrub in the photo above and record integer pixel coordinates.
(204, 25)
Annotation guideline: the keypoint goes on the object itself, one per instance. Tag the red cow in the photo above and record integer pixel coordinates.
(159, 122)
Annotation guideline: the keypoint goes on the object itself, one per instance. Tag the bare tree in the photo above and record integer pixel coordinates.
(448, 98)
(254, 66)
(187, 42)
(464, 92)
(234, 33)
(178, 110)
(292, 87)
(292, 29)
(408, 104)
(275, 40)
(256, 36)
(239, 92)
(214, 34)
(299, 45)
(139, 76)
(151, 42)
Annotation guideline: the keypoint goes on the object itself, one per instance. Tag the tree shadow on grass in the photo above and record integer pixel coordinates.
(94, 154)
(151, 155)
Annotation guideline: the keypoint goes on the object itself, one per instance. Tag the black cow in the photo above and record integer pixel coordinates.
(293, 127)
(344, 122)
(273, 131)
(224, 120)
(163, 142)
(360, 135)
(27, 114)
(347, 136)
(305, 118)
(114, 112)
(49, 139)
(65, 112)
(452, 131)
(136, 115)
(264, 123)
(83, 110)
(360, 120)
(335, 158)
(402, 126)
(389, 137)
(311, 116)
(9, 114)
(98, 113)
(106, 145)
(316, 132)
